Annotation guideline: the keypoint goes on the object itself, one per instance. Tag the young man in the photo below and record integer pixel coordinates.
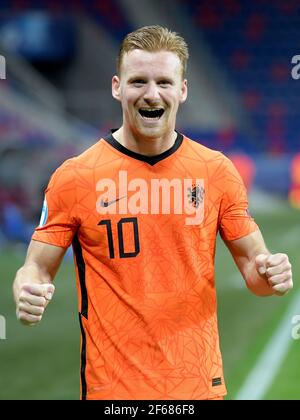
(142, 209)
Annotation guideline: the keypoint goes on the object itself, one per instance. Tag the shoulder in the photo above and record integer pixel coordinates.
(67, 172)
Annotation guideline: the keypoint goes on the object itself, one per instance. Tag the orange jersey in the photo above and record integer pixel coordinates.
(144, 233)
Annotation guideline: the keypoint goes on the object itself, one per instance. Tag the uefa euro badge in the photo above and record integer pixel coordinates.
(44, 215)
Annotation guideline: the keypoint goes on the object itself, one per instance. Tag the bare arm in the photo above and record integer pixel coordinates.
(33, 287)
(265, 274)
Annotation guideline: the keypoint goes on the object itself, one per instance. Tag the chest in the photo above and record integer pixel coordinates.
(125, 207)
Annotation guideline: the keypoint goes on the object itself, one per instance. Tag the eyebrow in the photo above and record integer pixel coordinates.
(133, 78)
(159, 79)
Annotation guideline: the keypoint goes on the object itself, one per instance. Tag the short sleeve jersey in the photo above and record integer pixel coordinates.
(143, 231)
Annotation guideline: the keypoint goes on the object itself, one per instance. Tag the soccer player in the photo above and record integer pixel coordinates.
(142, 209)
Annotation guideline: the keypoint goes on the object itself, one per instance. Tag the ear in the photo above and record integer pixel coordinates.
(115, 88)
(184, 91)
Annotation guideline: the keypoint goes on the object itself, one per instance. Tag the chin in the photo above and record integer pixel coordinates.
(156, 130)
(150, 132)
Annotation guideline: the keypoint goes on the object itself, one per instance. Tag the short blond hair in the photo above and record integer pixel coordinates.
(153, 39)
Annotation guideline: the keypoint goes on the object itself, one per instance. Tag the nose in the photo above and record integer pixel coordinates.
(151, 93)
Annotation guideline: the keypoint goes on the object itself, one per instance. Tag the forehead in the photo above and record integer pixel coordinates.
(161, 63)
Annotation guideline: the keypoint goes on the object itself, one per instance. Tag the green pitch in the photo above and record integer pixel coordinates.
(43, 362)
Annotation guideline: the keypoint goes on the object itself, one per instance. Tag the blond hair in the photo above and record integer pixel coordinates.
(153, 39)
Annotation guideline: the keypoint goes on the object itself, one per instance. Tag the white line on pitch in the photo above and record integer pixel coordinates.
(269, 363)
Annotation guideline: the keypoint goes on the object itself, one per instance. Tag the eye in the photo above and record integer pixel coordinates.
(164, 83)
(138, 82)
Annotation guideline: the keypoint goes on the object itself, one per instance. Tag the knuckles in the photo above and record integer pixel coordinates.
(276, 259)
(26, 297)
(28, 319)
(283, 288)
(32, 310)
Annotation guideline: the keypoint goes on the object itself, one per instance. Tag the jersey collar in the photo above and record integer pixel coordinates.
(151, 160)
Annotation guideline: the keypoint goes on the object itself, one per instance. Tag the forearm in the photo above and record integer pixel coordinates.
(245, 251)
(33, 287)
(265, 274)
(41, 265)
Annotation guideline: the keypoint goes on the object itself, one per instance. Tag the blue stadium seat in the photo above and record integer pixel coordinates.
(255, 41)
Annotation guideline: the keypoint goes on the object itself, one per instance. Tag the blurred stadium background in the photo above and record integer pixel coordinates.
(56, 100)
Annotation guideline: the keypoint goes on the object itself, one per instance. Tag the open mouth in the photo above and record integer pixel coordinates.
(151, 113)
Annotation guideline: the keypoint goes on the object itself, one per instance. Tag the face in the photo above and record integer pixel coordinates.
(150, 89)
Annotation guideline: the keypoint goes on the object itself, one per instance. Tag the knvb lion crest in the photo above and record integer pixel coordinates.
(196, 195)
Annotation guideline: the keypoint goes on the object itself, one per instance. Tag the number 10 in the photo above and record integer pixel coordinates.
(110, 238)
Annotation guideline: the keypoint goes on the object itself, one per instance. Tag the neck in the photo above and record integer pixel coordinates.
(146, 146)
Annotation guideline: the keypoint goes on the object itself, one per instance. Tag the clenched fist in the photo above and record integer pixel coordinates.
(31, 301)
(277, 270)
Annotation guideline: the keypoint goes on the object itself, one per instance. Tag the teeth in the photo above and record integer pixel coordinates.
(150, 109)
(154, 113)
